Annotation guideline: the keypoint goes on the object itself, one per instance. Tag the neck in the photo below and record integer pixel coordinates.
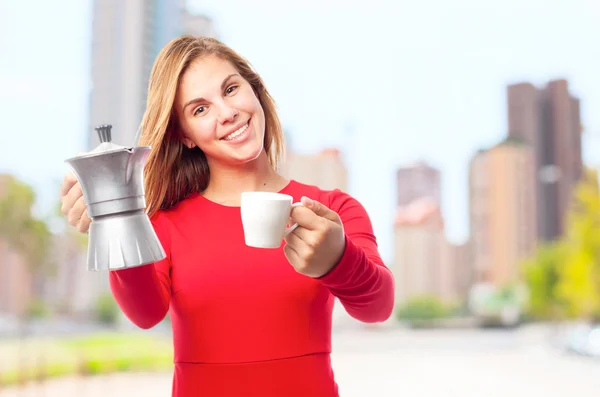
(228, 182)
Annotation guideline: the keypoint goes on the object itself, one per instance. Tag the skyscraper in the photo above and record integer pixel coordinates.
(418, 250)
(127, 36)
(425, 262)
(325, 169)
(417, 181)
(548, 119)
(502, 211)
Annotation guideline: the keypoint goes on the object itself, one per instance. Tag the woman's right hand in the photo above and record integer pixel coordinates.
(73, 204)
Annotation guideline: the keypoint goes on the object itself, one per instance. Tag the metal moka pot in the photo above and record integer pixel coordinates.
(112, 181)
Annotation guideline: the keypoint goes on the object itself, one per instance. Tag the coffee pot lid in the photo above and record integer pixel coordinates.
(105, 135)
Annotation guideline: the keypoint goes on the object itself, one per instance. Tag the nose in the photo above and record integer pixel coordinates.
(227, 114)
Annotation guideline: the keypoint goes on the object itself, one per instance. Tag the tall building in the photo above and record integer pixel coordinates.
(455, 272)
(325, 169)
(16, 281)
(418, 250)
(425, 262)
(126, 37)
(417, 181)
(502, 211)
(548, 119)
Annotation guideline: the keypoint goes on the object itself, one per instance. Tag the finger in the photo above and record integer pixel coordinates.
(302, 250)
(71, 198)
(76, 212)
(308, 237)
(306, 218)
(295, 241)
(68, 182)
(291, 255)
(320, 209)
(84, 223)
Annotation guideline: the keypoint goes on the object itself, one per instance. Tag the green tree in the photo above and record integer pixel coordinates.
(563, 277)
(422, 308)
(107, 311)
(542, 276)
(579, 278)
(27, 235)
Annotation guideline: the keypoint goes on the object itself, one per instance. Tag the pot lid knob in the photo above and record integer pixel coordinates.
(104, 132)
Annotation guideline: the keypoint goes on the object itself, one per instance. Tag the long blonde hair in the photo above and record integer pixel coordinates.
(173, 171)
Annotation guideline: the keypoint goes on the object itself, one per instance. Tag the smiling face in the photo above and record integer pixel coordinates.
(219, 112)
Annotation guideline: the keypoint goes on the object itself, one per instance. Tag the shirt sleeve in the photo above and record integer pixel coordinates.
(360, 280)
(144, 292)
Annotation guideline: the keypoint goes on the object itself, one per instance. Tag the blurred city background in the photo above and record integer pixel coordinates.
(468, 129)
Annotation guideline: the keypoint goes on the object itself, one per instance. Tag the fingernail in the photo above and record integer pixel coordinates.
(307, 201)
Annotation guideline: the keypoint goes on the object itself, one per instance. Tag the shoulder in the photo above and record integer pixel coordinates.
(165, 217)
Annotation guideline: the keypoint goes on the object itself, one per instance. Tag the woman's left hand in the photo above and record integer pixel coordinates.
(317, 244)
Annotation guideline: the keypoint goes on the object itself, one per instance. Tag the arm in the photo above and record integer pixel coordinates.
(144, 293)
(360, 280)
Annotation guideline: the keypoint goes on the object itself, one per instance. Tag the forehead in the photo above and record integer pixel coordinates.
(205, 73)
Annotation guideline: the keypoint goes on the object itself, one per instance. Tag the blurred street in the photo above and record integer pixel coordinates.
(397, 362)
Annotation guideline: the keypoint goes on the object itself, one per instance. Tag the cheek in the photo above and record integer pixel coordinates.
(248, 101)
(257, 106)
(202, 130)
(258, 111)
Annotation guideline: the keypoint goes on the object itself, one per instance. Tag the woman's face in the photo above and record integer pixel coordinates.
(219, 112)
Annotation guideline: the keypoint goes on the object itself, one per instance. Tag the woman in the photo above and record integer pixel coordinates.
(246, 321)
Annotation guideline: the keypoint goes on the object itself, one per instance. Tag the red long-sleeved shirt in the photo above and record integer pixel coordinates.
(245, 323)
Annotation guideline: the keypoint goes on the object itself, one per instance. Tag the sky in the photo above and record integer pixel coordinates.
(388, 82)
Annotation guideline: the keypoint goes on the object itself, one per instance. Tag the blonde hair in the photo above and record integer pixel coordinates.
(173, 171)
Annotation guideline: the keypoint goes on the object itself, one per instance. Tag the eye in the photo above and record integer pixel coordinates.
(231, 89)
(199, 110)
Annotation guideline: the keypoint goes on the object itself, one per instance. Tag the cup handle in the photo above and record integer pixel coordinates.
(290, 229)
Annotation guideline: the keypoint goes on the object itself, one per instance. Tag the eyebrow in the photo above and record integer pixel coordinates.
(197, 100)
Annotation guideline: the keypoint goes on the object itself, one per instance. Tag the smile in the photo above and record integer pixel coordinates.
(237, 133)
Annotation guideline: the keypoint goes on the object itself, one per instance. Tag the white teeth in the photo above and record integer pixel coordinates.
(235, 134)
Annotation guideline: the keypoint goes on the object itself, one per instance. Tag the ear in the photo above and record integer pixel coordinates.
(188, 143)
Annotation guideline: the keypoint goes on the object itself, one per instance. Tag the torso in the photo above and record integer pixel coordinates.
(233, 304)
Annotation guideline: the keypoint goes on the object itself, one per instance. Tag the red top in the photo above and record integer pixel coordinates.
(245, 323)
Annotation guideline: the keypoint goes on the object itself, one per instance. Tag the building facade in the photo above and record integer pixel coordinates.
(548, 119)
(417, 181)
(502, 211)
(325, 169)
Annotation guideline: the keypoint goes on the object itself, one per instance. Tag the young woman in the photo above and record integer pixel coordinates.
(246, 321)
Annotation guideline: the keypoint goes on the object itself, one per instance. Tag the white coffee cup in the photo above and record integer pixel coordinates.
(264, 218)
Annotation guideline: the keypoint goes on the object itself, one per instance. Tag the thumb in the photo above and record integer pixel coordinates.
(319, 209)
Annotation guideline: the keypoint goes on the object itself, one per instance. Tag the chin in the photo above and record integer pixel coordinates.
(246, 157)
(239, 156)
